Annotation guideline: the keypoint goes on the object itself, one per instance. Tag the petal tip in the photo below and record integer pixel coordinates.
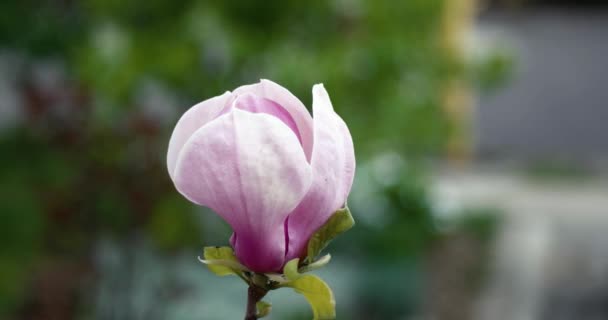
(318, 90)
(318, 86)
(320, 97)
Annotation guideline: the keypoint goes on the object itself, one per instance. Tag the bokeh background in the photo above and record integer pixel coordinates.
(479, 126)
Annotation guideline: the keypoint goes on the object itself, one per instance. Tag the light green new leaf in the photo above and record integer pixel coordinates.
(319, 263)
(222, 261)
(263, 308)
(318, 294)
(339, 222)
(316, 291)
(290, 270)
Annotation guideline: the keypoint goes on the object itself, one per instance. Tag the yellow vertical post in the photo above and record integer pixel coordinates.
(457, 98)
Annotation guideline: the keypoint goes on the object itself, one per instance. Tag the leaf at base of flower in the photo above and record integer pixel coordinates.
(319, 263)
(263, 308)
(314, 289)
(290, 270)
(339, 222)
(222, 261)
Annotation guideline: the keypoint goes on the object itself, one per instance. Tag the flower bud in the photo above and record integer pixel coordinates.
(258, 159)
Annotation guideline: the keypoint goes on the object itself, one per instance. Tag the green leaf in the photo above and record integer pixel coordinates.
(263, 308)
(222, 261)
(319, 296)
(290, 270)
(338, 223)
(321, 262)
(314, 289)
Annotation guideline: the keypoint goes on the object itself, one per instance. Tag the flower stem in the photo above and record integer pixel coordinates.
(254, 295)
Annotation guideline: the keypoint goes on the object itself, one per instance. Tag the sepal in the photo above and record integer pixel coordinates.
(314, 289)
(341, 221)
(222, 261)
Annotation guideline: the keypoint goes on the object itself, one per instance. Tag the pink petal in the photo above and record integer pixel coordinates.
(250, 169)
(253, 103)
(191, 121)
(270, 90)
(333, 168)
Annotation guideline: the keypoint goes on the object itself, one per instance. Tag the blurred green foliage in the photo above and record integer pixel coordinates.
(87, 159)
(377, 58)
(494, 71)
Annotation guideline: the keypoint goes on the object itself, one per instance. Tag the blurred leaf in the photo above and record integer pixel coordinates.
(173, 224)
(480, 222)
(111, 207)
(263, 308)
(21, 236)
(494, 71)
(339, 222)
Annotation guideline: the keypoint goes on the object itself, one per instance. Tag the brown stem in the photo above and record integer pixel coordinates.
(254, 295)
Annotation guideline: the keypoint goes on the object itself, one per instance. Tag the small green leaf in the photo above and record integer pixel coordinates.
(318, 294)
(222, 261)
(263, 308)
(314, 289)
(291, 270)
(321, 262)
(338, 223)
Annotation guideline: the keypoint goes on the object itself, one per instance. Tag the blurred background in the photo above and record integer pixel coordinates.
(480, 133)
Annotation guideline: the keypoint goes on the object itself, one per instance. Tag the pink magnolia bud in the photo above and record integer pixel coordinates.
(259, 160)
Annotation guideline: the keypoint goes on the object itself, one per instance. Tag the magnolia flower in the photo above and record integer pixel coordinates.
(258, 159)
